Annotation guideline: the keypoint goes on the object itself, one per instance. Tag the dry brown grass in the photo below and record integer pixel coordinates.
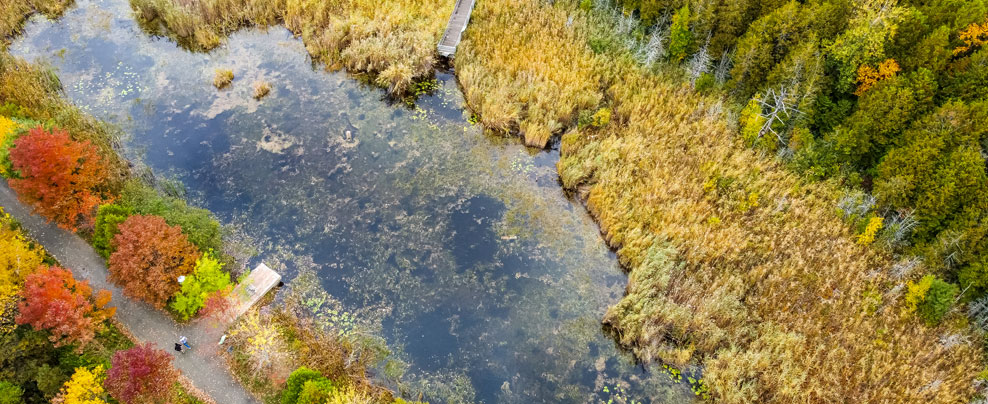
(392, 39)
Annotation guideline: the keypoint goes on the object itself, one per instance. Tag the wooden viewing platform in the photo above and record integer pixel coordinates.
(252, 288)
(457, 24)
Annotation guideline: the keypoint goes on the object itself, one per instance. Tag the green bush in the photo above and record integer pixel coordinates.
(207, 278)
(296, 381)
(317, 391)
(937, 300)
(197, 224)
(10, 393)
(107, 219)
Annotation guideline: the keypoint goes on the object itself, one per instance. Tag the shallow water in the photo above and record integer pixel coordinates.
(460, 249)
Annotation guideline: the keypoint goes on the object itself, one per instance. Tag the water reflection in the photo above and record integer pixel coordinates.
(460, 249)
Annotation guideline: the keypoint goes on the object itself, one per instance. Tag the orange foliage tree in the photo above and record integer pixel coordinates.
(141, 374)
(974, 36)
(150, 255)
(57, 302)
(868, 76)
(58, 176)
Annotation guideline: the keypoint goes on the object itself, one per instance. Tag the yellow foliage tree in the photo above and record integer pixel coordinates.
(868, 76)
(868, 236)
(975, 35)
(85, 387)
(18, 258)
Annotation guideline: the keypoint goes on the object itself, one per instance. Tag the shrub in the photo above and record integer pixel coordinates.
(317, 391)
(197, 224)
(59, 177)
(207, 278)
(150, 256)
(223, 78)
(108, 217)
(937, 302)
(55, 301)
(293, 387)
(141, 374)
(10, 393)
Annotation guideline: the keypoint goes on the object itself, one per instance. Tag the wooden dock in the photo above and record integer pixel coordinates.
(454, 30)
(253, 288)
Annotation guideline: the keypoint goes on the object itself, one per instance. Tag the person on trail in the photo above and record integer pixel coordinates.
(178, 347)
(184, 341)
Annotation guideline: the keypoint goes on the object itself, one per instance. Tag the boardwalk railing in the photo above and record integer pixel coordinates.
(454, 30)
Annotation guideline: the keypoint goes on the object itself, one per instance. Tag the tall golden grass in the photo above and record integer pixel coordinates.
(394, 40)
(14, 12)
(526, 68)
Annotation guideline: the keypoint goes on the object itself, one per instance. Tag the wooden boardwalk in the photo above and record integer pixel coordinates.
(250, 290)
(457, 24)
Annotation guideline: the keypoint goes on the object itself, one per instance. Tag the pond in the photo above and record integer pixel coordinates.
(459, 248)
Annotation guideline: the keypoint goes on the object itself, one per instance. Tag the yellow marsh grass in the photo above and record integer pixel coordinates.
(222, 78)
(14, 12)
(393, 39)
(261, 89)
(523, 67)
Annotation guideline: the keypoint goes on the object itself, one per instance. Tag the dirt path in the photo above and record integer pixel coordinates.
(201, 365)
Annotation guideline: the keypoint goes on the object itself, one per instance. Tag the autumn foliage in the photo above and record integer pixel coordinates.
(150, 255)
(58, 176)
(868, 76)
(141, 374)
(57, 302)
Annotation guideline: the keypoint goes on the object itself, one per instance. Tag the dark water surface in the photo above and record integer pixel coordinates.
(458, 248)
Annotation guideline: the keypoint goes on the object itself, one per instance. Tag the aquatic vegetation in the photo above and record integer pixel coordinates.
(394, 40)
(261, 89)
(223, 78)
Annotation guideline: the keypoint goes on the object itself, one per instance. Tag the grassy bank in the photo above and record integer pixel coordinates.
(393, 40)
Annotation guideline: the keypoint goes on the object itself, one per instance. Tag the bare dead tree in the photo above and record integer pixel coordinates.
(977, 311)
(724, 67)
(777, 108)
(699, 64)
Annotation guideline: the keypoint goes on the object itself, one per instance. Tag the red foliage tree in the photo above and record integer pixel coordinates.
(150, 255)
(58, 176)
(141, 374)
(55, 301)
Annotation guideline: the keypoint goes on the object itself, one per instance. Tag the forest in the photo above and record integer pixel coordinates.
(797, 189)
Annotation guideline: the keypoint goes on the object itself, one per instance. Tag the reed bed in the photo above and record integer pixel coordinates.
(394, 40)
(526, 68)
